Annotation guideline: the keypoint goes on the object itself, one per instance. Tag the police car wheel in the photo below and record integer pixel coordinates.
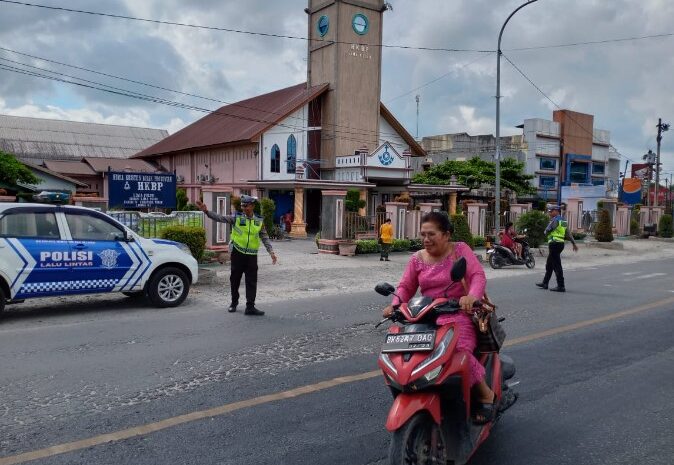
(168, 287)
(2, 301)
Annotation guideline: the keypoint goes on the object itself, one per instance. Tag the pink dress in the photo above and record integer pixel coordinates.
(432, 281)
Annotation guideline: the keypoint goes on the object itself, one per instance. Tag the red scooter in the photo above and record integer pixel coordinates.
(430, 381)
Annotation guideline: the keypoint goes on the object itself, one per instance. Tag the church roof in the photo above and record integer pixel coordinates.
(238, 122)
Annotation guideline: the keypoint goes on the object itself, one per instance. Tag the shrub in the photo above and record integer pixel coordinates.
(190, 207)
(461, 230)
(416, 244)
(535, 223)
(665, 228)
(634, 227)
(400, 245)
(317, 238)
(236, 203)
(479, 241)
(267, 208)
(181, 199)
(192, 237)
(579, 236)
(367, 246)
(604, 232)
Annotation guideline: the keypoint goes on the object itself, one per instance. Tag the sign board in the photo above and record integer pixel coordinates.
(141, 190)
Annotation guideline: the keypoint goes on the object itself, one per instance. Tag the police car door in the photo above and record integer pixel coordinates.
(102, 257)
(34, 253)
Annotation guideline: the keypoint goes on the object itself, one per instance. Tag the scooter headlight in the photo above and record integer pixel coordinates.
(437, 353)
(434, 373)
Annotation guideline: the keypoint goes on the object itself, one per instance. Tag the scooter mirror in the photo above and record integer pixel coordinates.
(384, 289)
(458, 270)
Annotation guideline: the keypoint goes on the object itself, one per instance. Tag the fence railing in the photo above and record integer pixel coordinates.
(362, 227)
(151, 225)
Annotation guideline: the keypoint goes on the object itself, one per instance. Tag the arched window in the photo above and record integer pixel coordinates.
(275, 159)
(292, 154)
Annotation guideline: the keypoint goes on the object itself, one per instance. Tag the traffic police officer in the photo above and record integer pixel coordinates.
(247, 233)
(557, 232)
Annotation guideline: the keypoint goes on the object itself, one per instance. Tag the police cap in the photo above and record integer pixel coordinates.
(554, 207)
(248, 199)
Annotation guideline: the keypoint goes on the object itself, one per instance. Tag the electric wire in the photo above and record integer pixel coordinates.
(237, 31)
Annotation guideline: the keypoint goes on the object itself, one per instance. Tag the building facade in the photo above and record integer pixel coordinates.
(330, 133)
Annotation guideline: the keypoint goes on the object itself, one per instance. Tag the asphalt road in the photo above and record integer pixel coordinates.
(595, 393)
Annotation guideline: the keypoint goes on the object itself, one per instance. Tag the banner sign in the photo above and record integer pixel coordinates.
(141, 190)
(640, 170)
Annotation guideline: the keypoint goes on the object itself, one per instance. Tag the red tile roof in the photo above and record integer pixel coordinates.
(238, 122)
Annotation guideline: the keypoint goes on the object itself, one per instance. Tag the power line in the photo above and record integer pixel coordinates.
(237, 31)
(560, 108)
(592, 42)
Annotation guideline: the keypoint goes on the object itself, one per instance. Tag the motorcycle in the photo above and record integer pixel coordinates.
(500, 256)
(431, 417)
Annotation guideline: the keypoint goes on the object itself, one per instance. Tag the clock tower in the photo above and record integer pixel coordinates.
(344, 51)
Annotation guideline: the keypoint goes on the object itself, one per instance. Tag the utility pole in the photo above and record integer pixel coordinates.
(497, 158)
(650, 158)
(417, 99)
(662, 127)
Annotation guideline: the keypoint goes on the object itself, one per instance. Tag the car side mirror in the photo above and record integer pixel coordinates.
(458, 270)
(384, 289)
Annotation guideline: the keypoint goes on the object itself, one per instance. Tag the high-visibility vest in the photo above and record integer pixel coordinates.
(559, 233)
(246, 234)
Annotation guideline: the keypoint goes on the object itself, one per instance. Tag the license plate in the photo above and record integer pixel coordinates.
(409, 342)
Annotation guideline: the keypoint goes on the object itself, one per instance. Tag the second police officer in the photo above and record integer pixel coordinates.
(247, 232)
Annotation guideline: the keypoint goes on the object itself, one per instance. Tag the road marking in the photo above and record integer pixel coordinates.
(631, 273)
(300, 391)
(646, 276)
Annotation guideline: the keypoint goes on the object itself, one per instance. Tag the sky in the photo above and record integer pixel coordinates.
(623, 78)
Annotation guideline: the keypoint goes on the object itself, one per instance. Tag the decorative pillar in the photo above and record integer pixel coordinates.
(397, 212)
(517, 210)
(574, 214)
(298, 228)
(452, 203)
(217, 200)
(610, 205)
(477, 218)
(622, 224)
(332, 221)
(429, 207)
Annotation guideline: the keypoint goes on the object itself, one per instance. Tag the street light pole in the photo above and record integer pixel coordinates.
(497, 184)
(662, 127)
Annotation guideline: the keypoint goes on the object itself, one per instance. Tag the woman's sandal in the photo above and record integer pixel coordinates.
(484, 413)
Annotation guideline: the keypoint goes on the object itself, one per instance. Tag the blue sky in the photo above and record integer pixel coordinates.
(626, 84)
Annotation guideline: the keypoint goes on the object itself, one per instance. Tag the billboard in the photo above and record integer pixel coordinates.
(640, 170)
(141, 190)
(631, 191)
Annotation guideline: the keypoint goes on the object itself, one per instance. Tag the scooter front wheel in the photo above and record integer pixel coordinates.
(417, 442)
(530, 261)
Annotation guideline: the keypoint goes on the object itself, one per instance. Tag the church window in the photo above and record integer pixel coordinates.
(275, 159)
(292, 154)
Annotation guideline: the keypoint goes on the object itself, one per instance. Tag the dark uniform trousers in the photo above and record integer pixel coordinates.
(554, 263)
(243, 264)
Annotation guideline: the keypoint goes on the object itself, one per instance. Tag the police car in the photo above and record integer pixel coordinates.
(52, 250)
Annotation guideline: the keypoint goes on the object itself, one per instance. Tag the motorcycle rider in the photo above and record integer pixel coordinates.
(429, 270)
(508, 236)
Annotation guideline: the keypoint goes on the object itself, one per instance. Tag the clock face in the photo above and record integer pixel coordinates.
(385, 157)
(360, 24)
(323, 25)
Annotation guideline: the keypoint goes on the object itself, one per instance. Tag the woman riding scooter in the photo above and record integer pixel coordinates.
(508, 237)
(428, 270)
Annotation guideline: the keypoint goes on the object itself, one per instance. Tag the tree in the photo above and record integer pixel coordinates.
(604, 231)
(535, 223)
(181, 199)
(665, 228)
(12, 171)
(461, 230)
(353, 202)
(267, 208)
(475, 172)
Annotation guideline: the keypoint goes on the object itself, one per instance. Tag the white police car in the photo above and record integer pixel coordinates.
(49, 250)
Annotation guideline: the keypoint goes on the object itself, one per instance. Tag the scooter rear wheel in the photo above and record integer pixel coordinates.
(495, 261)
(418, 442)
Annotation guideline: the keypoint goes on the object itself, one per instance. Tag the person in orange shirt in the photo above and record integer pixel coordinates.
(385, 239)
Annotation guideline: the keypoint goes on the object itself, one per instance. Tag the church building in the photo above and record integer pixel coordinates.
(329, 133)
